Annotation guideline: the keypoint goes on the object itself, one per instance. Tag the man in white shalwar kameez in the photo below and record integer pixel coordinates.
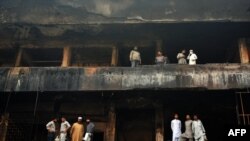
(176, 128)
(198, 129)
(192, 57)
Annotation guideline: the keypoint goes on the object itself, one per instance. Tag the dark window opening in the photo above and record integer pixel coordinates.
(135, 125)
(39, 57)
(91, 56)
(98, 136)
(7, 57)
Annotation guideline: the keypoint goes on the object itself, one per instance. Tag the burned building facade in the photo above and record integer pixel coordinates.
(71, 58)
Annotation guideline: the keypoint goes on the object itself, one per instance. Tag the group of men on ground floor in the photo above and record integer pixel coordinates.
(76, 131)
(194, 129)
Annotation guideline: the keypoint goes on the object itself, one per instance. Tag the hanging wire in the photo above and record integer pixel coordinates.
(242, 109)
(35, 108)
(237, 108)
(7, 103)
(34, 112)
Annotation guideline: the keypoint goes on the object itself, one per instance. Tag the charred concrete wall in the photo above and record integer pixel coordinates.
(210, 76)
(110, 11)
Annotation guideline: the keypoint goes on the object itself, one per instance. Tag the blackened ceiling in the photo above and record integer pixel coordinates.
(113, 11)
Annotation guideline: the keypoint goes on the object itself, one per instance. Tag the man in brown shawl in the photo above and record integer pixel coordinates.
(77, 130)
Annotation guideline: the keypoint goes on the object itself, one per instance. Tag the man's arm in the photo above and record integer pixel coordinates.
(195, 56)
(178, 56)
(68, 126)
(48, 126)
(202, 128)
(193, 128)
(130, 55)
(180, 125)
(188, 56)
(140, 57)
(172, 125)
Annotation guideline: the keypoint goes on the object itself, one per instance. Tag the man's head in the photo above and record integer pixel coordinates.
(188, 117)
(191, 51)
(63, 119)
(54, 119)
(88, 120)
(195, 117)
(159, 53)
(176, 116)
(79, 119)
(135, 48)
(183, 51)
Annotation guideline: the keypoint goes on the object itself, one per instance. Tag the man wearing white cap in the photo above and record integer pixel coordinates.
(77, 130)
(192, 57)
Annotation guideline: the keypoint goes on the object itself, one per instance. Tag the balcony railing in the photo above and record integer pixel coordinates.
(171, 76)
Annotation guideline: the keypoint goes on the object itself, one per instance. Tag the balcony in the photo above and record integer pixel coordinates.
(171, 76)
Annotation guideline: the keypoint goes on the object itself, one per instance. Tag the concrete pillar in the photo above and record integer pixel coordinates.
(159, 124)
(114, 59)
(4, 126)
(158, 46)
(19, 57)
(111, 125)
(244, 51)
(66, 57)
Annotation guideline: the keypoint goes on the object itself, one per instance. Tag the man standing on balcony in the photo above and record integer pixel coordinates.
(181, 57)
(176, 128)
(135, 57)
(192, 57)
(160, 59)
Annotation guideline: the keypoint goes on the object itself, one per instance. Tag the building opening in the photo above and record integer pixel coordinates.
(213, 42)
(98, 136)
(135, 125)
(41, 57)
(134, 114)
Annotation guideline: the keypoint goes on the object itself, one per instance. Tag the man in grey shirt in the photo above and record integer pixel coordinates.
(89, 132)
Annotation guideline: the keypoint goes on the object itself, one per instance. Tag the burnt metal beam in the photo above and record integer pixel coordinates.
(159, 124)
(66, 57)
(4, 126)
(114, 58)
(244, 51)
(19, 57)
(111, 125)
